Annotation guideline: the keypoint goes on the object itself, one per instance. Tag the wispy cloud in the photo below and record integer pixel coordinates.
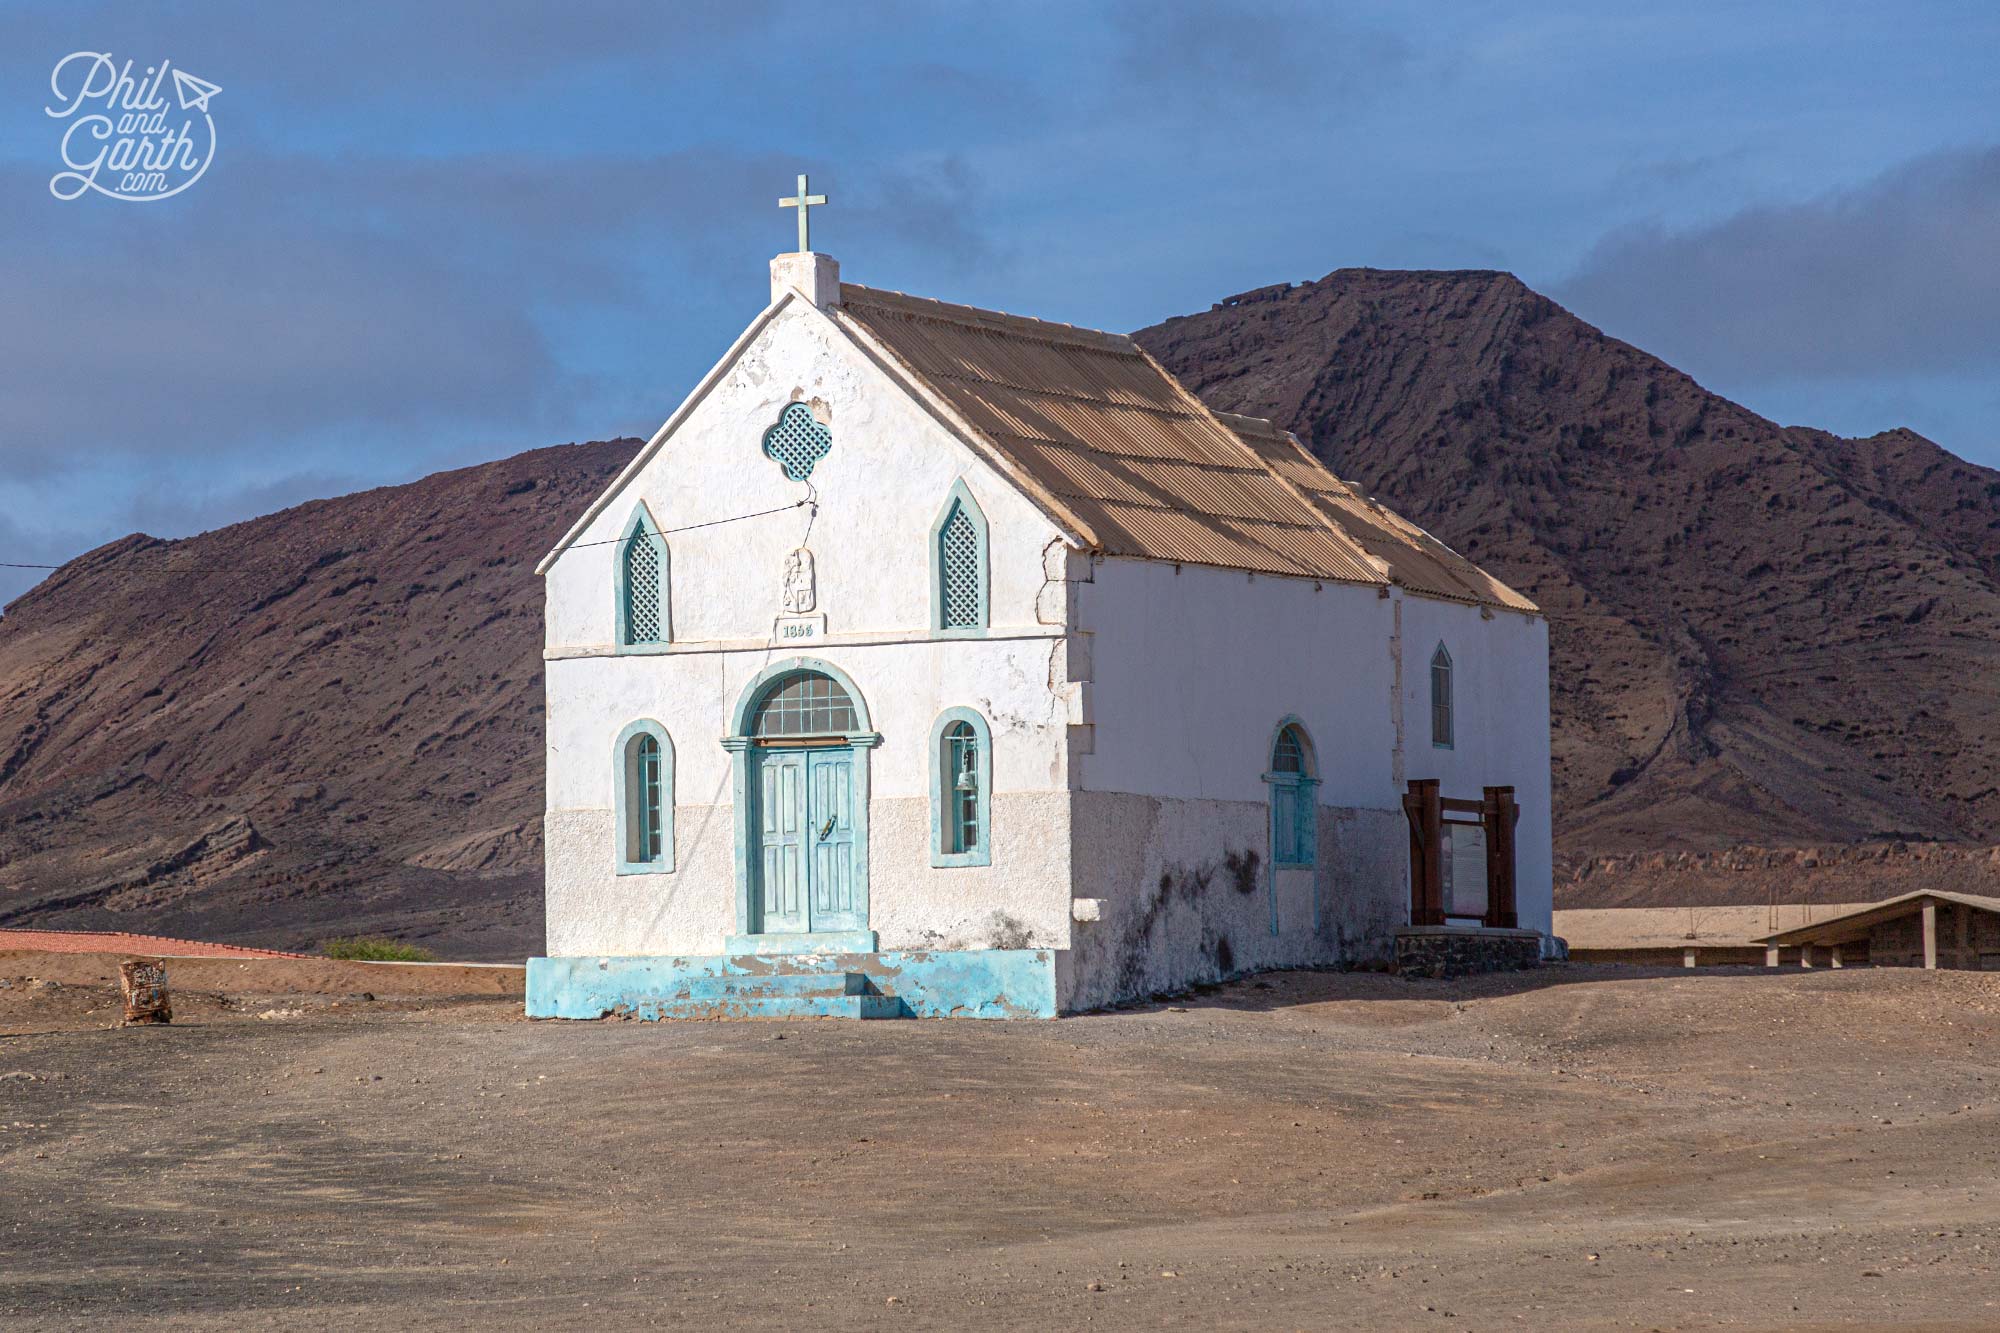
(1901, 274)
(298, 296)
(1187, 55)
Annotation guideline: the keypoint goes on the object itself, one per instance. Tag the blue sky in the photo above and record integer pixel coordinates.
(437, 233)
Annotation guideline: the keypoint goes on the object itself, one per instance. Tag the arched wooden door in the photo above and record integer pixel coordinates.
(810, 845)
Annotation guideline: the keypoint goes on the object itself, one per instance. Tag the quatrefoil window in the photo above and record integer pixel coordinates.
(798, 441)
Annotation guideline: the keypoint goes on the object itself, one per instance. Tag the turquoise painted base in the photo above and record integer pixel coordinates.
(817, 941)
(973, 983)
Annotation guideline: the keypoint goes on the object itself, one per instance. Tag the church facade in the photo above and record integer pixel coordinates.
(933, 660)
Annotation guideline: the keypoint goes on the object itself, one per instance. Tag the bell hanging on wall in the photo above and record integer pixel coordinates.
(968, 781)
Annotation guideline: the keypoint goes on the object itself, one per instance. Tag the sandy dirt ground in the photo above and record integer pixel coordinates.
(1581, 1147)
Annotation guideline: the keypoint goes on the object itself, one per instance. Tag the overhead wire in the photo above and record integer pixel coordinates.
(811, 500)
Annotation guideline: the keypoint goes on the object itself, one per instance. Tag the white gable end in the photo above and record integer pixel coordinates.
(879, 490)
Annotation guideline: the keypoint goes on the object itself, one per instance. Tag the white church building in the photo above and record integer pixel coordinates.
(935, 661)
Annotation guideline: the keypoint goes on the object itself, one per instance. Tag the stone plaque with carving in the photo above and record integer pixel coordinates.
(801, 594)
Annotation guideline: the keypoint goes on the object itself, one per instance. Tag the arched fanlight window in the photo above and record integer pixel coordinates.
(959, 565)
(1294, 813)
(961, 789)
(645, 799)
(804, 703)
(643, 607)
(1441, 698)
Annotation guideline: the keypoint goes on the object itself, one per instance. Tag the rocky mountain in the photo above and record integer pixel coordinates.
(328, 720)
(1761, 634)
(324, 721)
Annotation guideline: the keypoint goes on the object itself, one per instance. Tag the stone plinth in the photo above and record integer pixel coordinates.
(1439, 952)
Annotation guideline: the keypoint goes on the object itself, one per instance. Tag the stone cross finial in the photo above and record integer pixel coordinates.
(802, 201)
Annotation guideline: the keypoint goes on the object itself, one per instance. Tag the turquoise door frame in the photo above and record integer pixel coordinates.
(834, 903)
(806, 846)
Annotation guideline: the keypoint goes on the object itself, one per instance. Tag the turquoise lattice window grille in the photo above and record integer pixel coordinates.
(798, 441)
(958, 548)
(959, 565)
(643, 607)
(1294, 812)
(961, 789)
(1441, 719)
(645, 797)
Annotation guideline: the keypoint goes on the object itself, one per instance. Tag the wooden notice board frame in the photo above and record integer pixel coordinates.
(1428, 811)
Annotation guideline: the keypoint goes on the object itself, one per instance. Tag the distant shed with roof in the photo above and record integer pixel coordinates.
(1928, 928)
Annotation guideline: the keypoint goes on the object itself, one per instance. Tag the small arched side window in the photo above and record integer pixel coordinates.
(959, 595)
(644, 757)
(1441, 698)
(961, 789)
(1293, 777)
(644, 609)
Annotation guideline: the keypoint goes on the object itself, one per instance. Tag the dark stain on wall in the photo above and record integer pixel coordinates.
(1188, 884)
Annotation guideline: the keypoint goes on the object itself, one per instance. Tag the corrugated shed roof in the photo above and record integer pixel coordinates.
(1856, 921)
(1138, 465)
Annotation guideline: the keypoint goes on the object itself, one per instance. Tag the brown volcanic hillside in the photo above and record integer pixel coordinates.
(323, 721)
(1760, 634)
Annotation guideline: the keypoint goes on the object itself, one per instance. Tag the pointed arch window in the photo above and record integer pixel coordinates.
(1293, 778)
(959, 584)
(644, 759)
(961, 789)
(1441, 718)
(644, 606)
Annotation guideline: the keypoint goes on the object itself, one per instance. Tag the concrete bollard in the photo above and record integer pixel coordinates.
(144, 983)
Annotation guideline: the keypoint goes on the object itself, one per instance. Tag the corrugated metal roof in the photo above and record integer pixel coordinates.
(1418, 562)
(1130, 459)
(1855, 921)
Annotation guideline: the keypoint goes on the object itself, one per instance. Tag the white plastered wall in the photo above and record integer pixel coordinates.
(879, 490)
(1192, 670)
(1500, 731)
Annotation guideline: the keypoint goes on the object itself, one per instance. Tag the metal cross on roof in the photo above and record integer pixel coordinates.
(802, 201)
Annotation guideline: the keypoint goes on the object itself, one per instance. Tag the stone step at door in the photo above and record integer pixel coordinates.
(782, 995)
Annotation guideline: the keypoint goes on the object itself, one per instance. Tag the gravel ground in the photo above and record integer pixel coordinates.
(1579, 1147)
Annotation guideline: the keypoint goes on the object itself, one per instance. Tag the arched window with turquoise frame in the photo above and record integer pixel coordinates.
(1441, 710)
(645, 604)
(961, 789)
(643, 767)
(1293, 777)
(960, 596)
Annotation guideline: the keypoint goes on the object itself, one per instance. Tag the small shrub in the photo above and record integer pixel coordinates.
(375, 949)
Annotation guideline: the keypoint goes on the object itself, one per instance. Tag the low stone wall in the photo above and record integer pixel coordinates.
(1439, 952)
(1705, 955)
